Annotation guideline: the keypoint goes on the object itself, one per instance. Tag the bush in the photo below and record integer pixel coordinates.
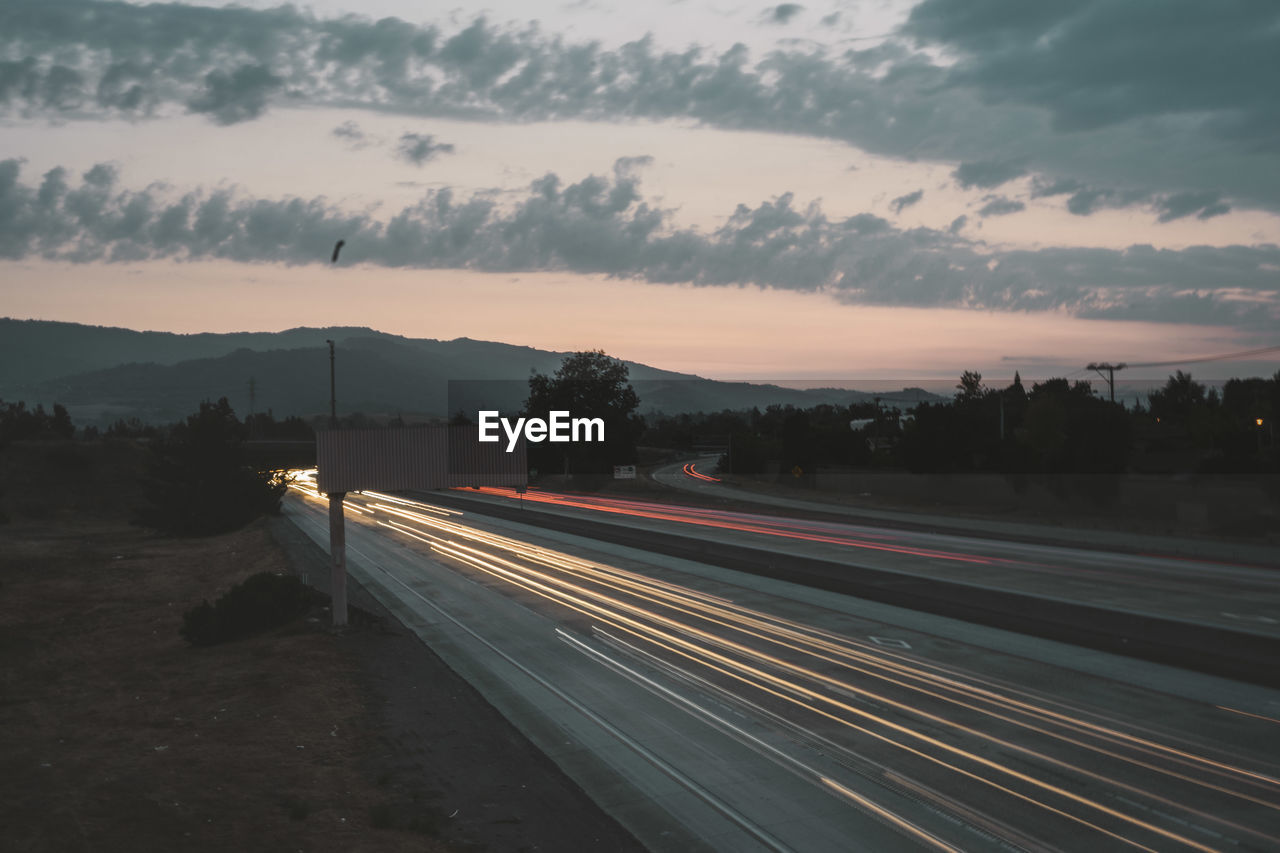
(262, 601)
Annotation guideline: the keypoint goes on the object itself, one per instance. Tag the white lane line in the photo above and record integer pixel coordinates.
(768, 750)
(706, 796)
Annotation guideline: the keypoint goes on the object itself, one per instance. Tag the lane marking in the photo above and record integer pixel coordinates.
(706, 796)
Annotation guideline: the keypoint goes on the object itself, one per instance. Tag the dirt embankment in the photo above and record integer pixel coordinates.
(115, 735)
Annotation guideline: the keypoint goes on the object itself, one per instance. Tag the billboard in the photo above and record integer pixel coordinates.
(423, 457)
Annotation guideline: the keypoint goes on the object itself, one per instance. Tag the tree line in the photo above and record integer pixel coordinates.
(1053, 427)
(201, 479)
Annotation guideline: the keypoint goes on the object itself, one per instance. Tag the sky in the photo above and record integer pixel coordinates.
(823, 190)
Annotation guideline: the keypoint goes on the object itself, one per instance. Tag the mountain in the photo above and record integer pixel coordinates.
(101, 374)
(35, 350)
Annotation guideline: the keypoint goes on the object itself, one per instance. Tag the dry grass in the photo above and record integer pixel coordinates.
(114, 735)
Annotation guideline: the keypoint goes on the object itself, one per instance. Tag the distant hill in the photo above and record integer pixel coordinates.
(103, 373)
(35, 350)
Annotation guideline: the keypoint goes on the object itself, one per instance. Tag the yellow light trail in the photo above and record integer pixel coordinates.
(677, 598)
(822, 645)
(787, 691)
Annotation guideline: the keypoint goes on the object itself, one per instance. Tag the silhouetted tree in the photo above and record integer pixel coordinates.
(133, 427)
(18, 423)
(200, 484)
(586, 385)
(1178, 400)
(970, 387)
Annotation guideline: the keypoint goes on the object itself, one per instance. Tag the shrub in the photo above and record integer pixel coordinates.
(262, 601)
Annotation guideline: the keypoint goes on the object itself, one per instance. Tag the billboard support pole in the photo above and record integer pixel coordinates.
(338, 550)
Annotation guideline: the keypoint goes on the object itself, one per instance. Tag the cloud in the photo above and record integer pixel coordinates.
(1086, 202)
(1094, 64)
(1216, 133)
(350, 133)
(631, 166)
(1041, 187)
(783, 13)
(987, 174)
(1000, 206)
(958, 224)
(603, 225)
(906, 200)
(237, 96)
(1204, 204)
(418, 148)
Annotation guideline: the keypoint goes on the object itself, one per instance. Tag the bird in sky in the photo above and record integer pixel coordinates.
(337, 247)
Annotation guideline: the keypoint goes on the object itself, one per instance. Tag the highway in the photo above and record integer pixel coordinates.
(1227, 595)
(707, 709)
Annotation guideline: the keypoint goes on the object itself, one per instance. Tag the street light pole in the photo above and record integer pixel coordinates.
(337, 526)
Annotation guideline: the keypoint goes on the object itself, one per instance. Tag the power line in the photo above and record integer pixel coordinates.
(1110, 375)
(1231, 356)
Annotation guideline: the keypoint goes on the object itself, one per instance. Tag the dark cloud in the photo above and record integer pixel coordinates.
(958, 224)
(1000, 206)
(1041, 187)
(1085, 201)
(1096, 63)
(125, 87)
(783, 13)
(1212, 210)
(1202, 204)
(987, 174)
(418, 148)
(831, 20)
(1179, 205)
(237, 96)
(603, 225)
(906, 200)
(120, 59)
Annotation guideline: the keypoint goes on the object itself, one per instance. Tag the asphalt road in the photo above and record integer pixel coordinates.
(1227, 595)
(812, 502)
(711, 710)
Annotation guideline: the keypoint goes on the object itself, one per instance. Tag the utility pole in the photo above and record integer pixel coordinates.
(1098, 367)
(1000, 393)
(253, 398)
(877, 438)
(338, 552)
(333, 394)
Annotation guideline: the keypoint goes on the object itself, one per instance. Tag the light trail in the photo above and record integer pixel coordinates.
(758, 678)
(726, 521)
(1139, 573)
(698, 475)
(802, 667)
